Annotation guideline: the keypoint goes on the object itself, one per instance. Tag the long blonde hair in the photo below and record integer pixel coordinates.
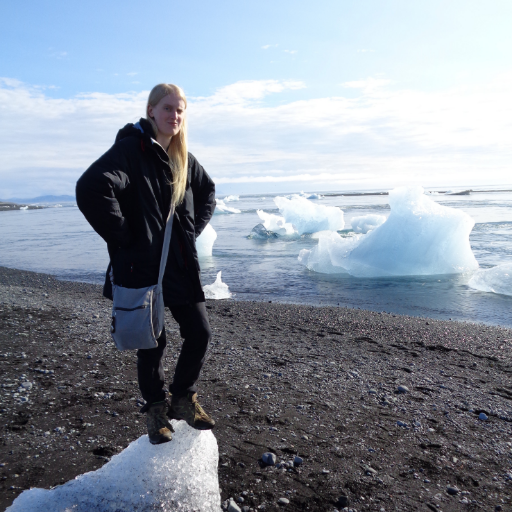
(177, 150)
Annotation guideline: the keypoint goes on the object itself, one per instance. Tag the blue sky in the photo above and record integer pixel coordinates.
(283, 95)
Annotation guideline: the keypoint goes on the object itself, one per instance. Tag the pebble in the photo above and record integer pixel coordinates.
(370, 471)
(372, 391)
(269, 458)
(401, 424)
(342, 501)
(283, 501)
(267, 375)
(233, 507)
(403, 389)
(325, 471)
(452, 491)
(297, 461)
(482, 416)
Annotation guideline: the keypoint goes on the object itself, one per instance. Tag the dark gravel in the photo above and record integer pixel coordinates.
(320, 383)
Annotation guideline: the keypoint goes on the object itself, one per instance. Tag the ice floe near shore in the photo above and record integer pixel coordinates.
(299, 216)
(217, 290)
(496, 280)
(420, 237)
(205, 241)
(176, 476)
(275, 223)
(307, 217)
(222, 207)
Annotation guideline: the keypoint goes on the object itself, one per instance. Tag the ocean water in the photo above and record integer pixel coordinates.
(59, 241)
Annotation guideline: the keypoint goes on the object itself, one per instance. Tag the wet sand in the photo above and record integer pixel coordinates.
(317, 382)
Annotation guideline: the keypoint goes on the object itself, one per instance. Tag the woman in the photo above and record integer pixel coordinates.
(126, 197)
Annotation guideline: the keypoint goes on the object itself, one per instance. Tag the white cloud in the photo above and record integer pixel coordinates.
(292, 52)
(368, 85)
(379, 138)
(267, 46)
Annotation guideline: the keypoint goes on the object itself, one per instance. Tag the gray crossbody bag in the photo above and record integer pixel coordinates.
(138, 313)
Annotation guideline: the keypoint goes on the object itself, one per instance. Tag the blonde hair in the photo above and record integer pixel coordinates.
(177, 150)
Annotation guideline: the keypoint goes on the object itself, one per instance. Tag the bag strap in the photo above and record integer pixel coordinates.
(165, 247)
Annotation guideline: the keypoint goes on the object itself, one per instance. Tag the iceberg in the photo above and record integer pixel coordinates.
(420, 237)
(496, 280)
(260, 232)
(306, 195)
(228, 199)
(221, 207)
(365, 223)
(217, 290)
(275, 223)
(204, 242)
(307, 217)
(176, 476)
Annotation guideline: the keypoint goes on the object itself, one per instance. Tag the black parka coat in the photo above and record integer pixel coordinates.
(126, 196)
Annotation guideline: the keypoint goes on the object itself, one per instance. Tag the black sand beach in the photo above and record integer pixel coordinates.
(320, 383)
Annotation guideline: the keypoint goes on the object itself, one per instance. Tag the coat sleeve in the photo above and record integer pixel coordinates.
(98, 192)
(203, 189)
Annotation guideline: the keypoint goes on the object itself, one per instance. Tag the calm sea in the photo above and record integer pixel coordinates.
(58, 241)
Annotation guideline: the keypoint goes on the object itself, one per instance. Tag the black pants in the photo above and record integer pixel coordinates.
(196, 332)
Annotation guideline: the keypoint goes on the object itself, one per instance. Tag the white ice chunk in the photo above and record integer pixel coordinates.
(275, 223)
(307, 195)
(307, 217)
(319, 259)
(217, 290)
(176, 476)
(496, 280)
(222, 207)
(228, 199)
(420, 237)
(204, 242)
(365, 223)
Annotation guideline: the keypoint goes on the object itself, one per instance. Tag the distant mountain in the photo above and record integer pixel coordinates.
(43, 199)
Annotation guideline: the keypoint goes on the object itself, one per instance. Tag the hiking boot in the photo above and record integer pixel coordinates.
(159, 428)
(187, 408)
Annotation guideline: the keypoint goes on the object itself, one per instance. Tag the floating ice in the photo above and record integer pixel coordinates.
(275, 223)
(204, 242)
(366, 223)
(259, 232)
(23, 207)
(307, 217)
(306, 195)
(420, 237)
(176, 476)
(228, 199)
(217, 290)
(221, 207)
(496, 280)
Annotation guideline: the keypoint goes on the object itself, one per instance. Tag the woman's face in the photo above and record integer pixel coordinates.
(168, 115)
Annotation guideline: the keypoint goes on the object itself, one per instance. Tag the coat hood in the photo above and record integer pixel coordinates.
(142, 129)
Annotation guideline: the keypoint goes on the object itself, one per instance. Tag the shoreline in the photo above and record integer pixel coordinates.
(314, 380)
(317, 304)
(9, 207)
